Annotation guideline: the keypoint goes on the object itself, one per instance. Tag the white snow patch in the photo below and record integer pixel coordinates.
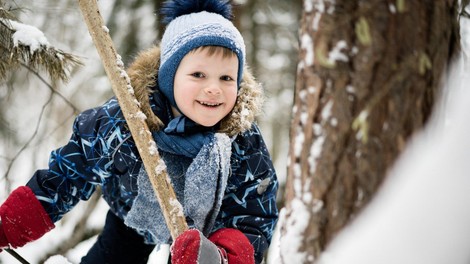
(153, 150)
(312, 89)
(336, 53)
(303, 118)
(326, 112)
(176, 208)
(130, 89)
(297, 170)
(316, 21)
(57, 259)
(298, 143)
(105, 29)
(119, 61)
(27, 35)
(465, 31)
(140, 115)
(350, 89)
(308, 6)
(161, 167)
(317, 205)
(315, 151)
(306, 43)
(334, 122)
(317, 129)
(296, 224)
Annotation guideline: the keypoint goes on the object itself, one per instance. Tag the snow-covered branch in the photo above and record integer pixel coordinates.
(25, 44)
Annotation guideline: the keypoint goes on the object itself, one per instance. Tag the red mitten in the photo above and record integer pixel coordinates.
(192, 247)
(23, 218)
(3, 238)
(238, 248)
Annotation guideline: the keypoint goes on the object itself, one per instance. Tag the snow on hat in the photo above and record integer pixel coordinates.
(192, 24)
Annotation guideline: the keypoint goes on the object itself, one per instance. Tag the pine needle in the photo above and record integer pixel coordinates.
(57, 63)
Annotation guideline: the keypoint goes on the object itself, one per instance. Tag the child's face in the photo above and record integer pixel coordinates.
(205, 86)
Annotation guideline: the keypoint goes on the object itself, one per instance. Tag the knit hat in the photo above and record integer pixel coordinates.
(192, 24)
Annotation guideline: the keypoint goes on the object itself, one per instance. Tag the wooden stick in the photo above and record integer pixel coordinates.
(16, 256)
(135, 118)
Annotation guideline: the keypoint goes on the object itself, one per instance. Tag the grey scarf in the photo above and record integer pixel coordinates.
(200, 191)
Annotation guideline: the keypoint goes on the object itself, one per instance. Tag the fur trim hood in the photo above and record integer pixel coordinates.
(143, 73)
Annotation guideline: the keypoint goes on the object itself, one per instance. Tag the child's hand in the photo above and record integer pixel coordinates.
(3, 238)
(23, 219)
(192, 247)
(226, 245)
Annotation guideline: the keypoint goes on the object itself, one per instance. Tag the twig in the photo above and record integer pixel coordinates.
(16, 255)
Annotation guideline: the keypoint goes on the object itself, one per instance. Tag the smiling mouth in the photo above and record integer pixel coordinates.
(208, 104)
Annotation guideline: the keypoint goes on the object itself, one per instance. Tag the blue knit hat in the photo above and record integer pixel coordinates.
(192, 24)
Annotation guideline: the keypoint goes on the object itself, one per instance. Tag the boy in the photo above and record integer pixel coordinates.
(196, 85)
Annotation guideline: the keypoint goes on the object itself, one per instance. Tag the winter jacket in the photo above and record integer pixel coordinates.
(101, 152)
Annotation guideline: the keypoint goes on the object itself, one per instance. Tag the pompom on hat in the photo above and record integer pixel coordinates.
(190, 25)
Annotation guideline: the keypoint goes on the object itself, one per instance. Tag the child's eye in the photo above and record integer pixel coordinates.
(226, 78)
(197, 75)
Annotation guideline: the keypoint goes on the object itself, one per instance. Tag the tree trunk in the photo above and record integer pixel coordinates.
(368, 76)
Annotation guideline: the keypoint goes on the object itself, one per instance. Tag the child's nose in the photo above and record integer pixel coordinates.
(212, 89)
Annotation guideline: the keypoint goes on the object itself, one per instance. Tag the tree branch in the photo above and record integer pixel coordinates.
(154, 165)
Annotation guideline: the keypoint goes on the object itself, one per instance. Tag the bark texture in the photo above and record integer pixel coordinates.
(368, 76)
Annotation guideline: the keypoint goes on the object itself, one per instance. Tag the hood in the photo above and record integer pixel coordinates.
(143, 73)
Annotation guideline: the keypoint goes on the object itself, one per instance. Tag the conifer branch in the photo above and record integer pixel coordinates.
(37, 55)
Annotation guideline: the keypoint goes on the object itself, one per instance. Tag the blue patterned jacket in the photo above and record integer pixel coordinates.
(101, 152)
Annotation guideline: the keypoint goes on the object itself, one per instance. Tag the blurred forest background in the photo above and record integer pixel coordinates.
(36, 114)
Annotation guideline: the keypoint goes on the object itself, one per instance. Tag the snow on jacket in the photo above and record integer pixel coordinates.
(101, 152)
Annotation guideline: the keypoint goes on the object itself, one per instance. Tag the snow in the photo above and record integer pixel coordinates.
(315, 152)
(177, 208)
(295, 227)
(153, 150)
(105, 29)
(119, 61)
(298, 143)
(161, 167)
(57, 259)
(336, 53)
(306, 43)
(308, 6)
(140, 115)
(350, 89)
(465, 31)
(326, 112)
(28, 36)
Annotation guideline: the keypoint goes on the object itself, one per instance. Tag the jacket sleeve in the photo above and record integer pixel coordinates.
(249, 204)
(84, 162)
